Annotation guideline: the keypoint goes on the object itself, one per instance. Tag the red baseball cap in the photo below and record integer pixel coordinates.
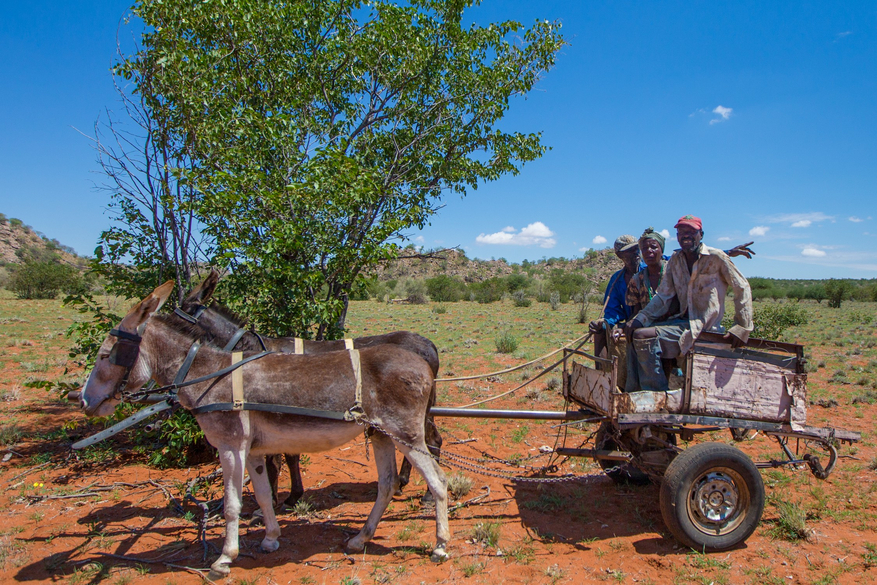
(690, 221)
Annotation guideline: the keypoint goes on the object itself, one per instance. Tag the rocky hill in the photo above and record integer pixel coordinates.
(601, 264)
(19, 242)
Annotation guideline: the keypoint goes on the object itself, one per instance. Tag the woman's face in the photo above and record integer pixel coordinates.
(651, 251)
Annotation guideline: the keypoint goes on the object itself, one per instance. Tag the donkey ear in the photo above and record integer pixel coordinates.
(140, 312)
(203, 291)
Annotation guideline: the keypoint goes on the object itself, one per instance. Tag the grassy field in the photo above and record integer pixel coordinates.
(817, 531)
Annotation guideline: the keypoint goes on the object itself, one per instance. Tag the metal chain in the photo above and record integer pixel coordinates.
(450, 459)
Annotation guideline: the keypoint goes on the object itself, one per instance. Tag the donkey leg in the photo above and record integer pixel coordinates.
(273, 463)
(262, 489)
(434, 443)
(404, 474)
(385, 460)
(296, 487)
(232, 460)
(438, 485)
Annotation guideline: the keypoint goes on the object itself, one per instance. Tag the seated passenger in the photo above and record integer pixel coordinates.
(696, 278)
(615, 309)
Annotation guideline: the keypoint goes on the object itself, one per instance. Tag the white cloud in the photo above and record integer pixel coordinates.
(812, 252)
(535, 234)
(802, 223)
(419, 239)
(723, 112)
(759, 230)
(665, 233)
(723, 239)
(855, 219)
(598, 240)
(797, 218)
(843, 34)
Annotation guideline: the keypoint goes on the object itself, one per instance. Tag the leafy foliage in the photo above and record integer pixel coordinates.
(44, 279)
(322, 142)
(837, 291)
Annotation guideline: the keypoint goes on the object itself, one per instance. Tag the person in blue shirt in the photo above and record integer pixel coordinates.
(615, 310)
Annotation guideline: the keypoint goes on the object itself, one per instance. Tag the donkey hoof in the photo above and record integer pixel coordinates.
(269, 546)
(427, 498)
(216, 574)
(438, 555)
(354, 546)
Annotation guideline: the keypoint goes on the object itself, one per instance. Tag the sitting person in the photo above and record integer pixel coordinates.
(696, 279)
(615, 310)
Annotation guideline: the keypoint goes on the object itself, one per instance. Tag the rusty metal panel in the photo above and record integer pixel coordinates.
(590, 387)
(641, 402)
(748, 389)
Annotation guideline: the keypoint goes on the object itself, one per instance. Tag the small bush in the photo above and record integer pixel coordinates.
(445, 289)
(439, 309)
(506, 342)
(43, 280)
(415, 292)
(486, 533)
(520, 299)
(791, 524)
(554, 300)
(459, 485)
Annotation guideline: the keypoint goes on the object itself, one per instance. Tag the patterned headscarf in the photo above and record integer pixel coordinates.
(651, 234)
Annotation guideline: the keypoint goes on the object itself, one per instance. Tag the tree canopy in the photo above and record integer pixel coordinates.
(316, 133)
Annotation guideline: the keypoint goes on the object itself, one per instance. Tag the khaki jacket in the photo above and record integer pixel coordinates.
(701, 295)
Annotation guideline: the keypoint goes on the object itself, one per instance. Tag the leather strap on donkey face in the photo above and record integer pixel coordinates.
(126, 350)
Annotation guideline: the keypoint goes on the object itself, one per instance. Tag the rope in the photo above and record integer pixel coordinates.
(506, 371)
(584, 339)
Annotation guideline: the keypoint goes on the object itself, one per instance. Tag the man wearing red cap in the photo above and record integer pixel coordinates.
(697, 277)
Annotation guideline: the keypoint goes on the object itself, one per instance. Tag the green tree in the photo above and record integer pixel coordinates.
(837, 291)
(318, 132)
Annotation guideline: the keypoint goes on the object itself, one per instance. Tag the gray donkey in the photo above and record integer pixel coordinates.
(223, 327)
(395, 389)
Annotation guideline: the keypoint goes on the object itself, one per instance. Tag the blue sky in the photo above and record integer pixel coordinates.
(759, 117)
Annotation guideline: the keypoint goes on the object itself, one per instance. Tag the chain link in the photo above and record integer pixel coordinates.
(469, 463)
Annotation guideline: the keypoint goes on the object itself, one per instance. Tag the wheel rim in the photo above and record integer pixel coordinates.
(718, 501)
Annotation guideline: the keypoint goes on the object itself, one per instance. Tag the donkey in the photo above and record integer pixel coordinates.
(223, 327)
(396, 386)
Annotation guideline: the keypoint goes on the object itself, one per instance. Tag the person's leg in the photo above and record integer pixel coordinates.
(651, 344)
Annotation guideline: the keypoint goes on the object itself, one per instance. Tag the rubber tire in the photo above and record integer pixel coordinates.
(625, 473)
(729, 467)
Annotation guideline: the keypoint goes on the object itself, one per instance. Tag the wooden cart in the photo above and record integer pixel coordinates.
(712, 496)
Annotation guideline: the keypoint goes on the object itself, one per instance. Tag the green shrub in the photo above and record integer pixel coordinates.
(44, 280)
(415, 292)
(506, 342)
(772, 319)
(445, 289)
(490, 290)
(519, 297)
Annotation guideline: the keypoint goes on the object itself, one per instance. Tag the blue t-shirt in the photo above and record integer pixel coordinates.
(615, 309)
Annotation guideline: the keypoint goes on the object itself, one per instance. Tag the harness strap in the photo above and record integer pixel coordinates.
(348, 344)
(193, 319)
(298, 346)
(187, 363)
(227, 406)
(217, 374)
(237, 382)
(234, 340)
(356, 413)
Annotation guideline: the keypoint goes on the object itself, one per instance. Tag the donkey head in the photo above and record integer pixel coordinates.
(118, 361)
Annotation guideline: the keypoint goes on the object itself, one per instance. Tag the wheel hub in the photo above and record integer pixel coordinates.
(715, 498)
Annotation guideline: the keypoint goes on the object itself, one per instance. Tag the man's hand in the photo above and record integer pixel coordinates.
(595, 326)
(741, 250)
(632, 326)
(733, 340)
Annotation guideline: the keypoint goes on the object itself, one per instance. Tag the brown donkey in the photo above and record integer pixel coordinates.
(223, 327)
(396, 386)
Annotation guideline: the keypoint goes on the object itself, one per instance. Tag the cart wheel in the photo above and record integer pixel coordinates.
(618, 471)
(712, 497)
